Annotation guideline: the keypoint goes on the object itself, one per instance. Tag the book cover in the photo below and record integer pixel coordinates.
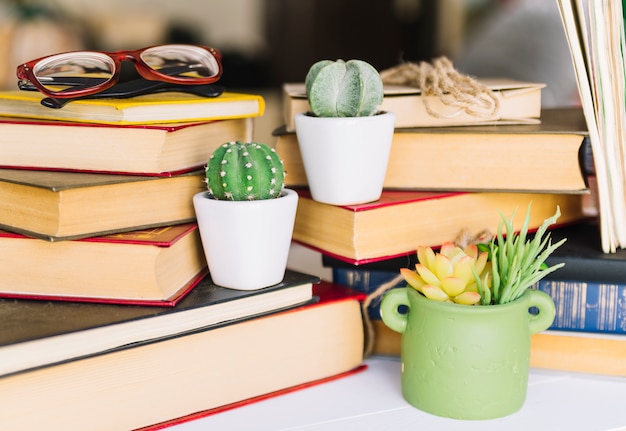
(155, 266)
(552, 156)
(43, 333)
(198, 370)
(519, 102)
(168, 107)
(69, 205)
(157, 149)
(401, 220)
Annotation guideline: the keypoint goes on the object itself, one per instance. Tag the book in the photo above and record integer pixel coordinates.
(519, 102)
(545, 157)
(157, 149)
(150, 383)
(595, 34)
(58, 205)
(168, 107)
(399, 221)
(155, 266)
(583, 255)
(589, 292)
(579, 352)
(580, 305)
(44, 333)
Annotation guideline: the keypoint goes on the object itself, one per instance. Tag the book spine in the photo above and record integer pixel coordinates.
(587, 306)
(580, 306)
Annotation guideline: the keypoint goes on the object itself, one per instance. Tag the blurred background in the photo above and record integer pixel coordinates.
(268, 42)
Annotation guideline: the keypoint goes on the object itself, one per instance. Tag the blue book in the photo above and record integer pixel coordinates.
(580, 306)
(589, 291)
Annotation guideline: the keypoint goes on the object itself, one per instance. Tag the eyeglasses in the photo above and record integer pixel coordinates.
(82, 73)
(132, 88)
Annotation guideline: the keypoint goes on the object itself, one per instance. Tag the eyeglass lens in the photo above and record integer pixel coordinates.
(181, 60)
(87, 69)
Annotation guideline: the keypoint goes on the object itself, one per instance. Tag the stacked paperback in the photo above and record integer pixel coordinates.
(105, 297)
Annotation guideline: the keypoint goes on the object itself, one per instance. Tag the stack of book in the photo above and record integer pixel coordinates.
(449, 182)
(442, 180)
(108, 313)
(98, 194)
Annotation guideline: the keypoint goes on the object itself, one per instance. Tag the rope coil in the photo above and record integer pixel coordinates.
(460, 92)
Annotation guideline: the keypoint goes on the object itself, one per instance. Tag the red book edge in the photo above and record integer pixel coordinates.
(165, 236)
(388, 198)
(167, 127)
(210, 412)
(95, 171)
(364, 261)
(167, 302)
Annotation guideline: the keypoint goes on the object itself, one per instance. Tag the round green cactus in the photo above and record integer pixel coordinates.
(343, 89)
(240, 171)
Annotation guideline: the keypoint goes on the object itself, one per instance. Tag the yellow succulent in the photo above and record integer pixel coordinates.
(448, 275)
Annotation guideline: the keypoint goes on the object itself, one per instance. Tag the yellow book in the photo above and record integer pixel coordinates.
(168, 107)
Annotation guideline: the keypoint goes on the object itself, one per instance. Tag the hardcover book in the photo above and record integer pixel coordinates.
(548, 157)
(190, 374)
(157, 149)
(168, 107)
(155, 266)
(69, 205)
(43, 333)
(399, 221)
(519, 102)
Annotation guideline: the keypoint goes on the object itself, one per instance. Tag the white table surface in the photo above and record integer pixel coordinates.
(371, 400)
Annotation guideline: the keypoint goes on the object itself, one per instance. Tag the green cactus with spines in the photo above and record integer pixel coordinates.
(239, 171)
(343, 89)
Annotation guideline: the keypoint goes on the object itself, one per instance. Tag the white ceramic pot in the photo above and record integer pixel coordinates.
(246, 243)
(345, 159)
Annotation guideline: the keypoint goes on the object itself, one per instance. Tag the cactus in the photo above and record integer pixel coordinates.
(240, 171)
(343, 89)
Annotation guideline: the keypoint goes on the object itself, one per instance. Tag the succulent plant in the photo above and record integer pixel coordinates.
(343, 89)
(449, 275)
(517, 262)
(239, 171)
(487, 274)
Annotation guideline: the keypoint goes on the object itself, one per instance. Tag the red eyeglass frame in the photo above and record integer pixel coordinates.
(25, 71)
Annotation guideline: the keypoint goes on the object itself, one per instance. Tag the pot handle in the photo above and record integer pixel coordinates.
(544, 303)
(393, 299)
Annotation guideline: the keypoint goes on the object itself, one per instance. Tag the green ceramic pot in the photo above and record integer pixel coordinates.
(465, 362)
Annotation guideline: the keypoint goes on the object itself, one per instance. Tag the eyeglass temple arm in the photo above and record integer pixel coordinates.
(139, 87)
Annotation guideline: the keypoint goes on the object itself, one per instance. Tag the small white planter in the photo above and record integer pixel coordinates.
(246, 243)
(345, 159)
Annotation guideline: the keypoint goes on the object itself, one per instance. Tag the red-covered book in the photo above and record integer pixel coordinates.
(145, 149)
(194, 373)
(147, 267)
(400, 221)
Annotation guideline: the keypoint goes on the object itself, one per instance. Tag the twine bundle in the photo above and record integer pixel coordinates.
(440, 79)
